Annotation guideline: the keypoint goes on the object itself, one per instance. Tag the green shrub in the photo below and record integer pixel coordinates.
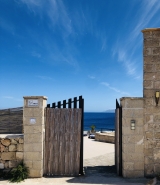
(19, 173)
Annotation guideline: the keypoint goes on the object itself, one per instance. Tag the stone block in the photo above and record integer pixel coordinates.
(128, 165)
(29, 164)
(33, 112)
(2, 148)
(149, 67)
(8, 156)
(38, 165)
(149, 135)
(33, 147)
(6, 149)
(148, 59)
(13, 141)
(19, 155)
(21, 140)
(132, 102)
(156, 51)
(33, 129)
(157, 66)
(33, 138)
(6, 142)
(20, 147)
(132, 139)
(156, 154)
(156, 34)
(147, 34)
(149, 118)
(132, 157)
(149, 102)
(33, 156)
(13, 164)
(139, 166)
(149, 160)
(147, 51)
(149, 93)
(148, 84)
(157, 144)
(139, 148)
(148, 152)
(157, 135)
(150, 76)
(156, 117)
(157, 84)
(128, 148)
(133, 113)
(12, 148)
(150, 144)
(35, 173)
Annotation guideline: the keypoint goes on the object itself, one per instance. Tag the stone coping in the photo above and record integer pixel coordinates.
(10, 136)
(132, 98)
(35, 97)
(150, 29)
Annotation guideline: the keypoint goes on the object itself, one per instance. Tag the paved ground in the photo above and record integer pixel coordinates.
(98, 166)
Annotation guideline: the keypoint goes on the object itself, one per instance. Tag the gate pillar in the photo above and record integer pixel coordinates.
(33, 125)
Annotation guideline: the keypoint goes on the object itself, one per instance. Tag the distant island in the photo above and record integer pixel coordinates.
(110, 110)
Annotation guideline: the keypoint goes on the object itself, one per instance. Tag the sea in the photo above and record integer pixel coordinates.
(103, 121)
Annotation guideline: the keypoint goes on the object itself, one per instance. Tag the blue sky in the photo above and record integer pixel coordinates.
(65, 48)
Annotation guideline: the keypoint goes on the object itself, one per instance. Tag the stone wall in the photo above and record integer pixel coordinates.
(151, 84)
(105, 137)
(11, 152)
(132, 140)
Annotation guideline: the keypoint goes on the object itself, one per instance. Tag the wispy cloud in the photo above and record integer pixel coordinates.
(91, 77)
(127, 46)
(36, 54)
(114, 89)
(12, 98)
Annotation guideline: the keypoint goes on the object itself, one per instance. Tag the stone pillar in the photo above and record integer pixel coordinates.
(132, 140)
(33, 122)
(151, 84)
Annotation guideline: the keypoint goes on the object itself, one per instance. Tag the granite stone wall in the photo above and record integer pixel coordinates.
(11, 152)
(151, 84)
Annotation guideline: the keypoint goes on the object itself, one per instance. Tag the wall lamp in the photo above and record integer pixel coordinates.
(133, 124)
(157, 97)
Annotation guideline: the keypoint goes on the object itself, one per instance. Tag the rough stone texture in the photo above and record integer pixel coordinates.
(9, 154)
(6, 142)
(132, 140)
(151, 84)
(12, 148)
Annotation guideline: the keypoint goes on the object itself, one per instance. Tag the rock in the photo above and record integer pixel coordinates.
(13, 141)
(6, 149)
(6, 142)
(13, 164)
(8, 156)
(19, 155)
(12, 148)
(2, 148)
(21, 140)
(20, 147)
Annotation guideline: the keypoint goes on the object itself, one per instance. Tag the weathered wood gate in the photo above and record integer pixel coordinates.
(118, 138)
(64, 139)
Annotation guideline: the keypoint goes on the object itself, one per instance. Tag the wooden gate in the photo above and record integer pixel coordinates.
(64, 139)
(118, 138)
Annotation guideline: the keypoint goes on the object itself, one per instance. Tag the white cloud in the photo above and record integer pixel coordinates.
(36, 54)
(114, 89)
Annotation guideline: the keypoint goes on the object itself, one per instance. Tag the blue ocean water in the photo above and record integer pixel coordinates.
(104, 121)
